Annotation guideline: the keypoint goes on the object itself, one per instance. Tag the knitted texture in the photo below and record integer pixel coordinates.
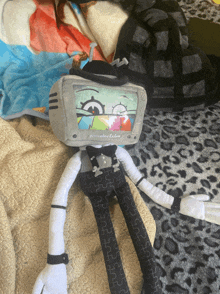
(154, 39)
(155, 42)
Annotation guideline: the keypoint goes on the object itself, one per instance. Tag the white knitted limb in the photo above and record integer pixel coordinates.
(194, 205)
(198, 206)
(53, 278)
(156, 194)
(57, 216)
(212, 212)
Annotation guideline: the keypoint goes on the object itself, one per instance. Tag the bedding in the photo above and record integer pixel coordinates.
(206, 10)
(32, 161)
(177, 151)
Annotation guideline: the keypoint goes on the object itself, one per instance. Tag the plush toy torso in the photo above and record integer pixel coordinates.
(100, 173)
(102, 178)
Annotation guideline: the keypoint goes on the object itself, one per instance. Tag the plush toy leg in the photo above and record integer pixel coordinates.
(140, 240)
(115, 272)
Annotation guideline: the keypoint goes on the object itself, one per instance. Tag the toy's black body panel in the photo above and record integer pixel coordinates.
(100, 189)
(107, 181)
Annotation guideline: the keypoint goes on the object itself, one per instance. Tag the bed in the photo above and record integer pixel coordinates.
(177, 151)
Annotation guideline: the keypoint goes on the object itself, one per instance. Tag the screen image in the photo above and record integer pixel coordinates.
(101, 108)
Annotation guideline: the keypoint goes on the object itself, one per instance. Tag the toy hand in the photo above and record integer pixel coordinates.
(197, 207)
(52, 280)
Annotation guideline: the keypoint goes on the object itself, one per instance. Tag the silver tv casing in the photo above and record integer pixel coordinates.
(63, 118)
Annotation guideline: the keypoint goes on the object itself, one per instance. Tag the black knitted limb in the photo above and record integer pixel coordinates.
(140, 239)
(115, 272)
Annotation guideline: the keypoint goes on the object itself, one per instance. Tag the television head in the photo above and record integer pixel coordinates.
(84, 112)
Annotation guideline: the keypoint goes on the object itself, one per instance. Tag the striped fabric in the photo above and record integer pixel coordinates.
(155, 42)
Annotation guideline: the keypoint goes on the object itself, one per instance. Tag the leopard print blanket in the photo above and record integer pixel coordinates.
(207, 9)
(180, 153)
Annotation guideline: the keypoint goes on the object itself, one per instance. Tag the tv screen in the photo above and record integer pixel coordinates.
(101, 108)
(83, 112)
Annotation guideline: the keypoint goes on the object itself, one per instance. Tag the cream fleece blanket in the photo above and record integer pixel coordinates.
(31, 163)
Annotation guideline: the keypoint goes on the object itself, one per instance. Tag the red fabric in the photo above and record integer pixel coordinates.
(45, 35)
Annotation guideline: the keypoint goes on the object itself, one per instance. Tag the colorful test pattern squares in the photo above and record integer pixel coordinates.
(105, 122)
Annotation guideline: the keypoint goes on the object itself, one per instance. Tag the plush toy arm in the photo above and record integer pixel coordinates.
(198, 206)
(59, 203)
(53, 278)
(193, 205)
(156, 194)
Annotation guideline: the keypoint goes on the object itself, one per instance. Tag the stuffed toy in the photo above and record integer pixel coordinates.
(96, 109)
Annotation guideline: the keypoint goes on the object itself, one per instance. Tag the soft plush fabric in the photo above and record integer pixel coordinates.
(39, 42)
(180, 153)
(35, 46)
(155, 42)
(32, 161)
(204, 10)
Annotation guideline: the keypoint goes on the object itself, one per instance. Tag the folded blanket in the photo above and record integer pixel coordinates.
(32, 160)
(34, 49)
(38, 43)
